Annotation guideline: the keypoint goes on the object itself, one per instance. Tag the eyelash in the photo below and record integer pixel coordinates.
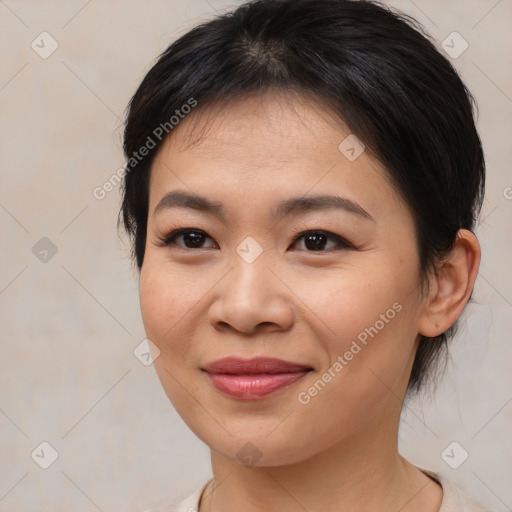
(343, 244)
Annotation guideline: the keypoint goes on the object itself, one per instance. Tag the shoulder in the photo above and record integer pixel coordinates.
(189, 504)
(454, 499)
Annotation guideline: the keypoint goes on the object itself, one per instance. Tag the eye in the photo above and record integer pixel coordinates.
(315, 240)
(192, 238)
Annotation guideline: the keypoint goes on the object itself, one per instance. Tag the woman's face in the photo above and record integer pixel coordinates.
(250, 279)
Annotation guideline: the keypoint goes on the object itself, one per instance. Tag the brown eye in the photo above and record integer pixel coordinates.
(191, 238)
(319, 241)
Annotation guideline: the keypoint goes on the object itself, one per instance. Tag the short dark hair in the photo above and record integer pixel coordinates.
(375, 68)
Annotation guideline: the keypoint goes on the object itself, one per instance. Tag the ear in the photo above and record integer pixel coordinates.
(450, 290)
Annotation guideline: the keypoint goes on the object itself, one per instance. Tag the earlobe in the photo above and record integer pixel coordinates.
(451, 288)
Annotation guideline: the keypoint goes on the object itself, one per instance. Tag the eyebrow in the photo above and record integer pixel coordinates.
(288, 207)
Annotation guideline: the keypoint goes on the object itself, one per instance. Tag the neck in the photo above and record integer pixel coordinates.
(362, 473)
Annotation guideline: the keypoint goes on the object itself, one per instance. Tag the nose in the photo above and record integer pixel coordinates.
(252, 298)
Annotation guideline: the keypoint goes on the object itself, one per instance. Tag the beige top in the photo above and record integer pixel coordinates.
(454, 500)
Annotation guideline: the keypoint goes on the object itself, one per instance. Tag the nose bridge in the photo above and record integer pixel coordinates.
(251, 277)
(250, 294)
(249, 281)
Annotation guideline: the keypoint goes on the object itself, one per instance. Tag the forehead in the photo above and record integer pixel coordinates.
(266, 144)
(268, 120)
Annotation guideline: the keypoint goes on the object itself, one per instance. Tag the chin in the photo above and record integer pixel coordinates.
(258, 452)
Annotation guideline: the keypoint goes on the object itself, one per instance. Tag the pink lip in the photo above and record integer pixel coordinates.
(253, 378)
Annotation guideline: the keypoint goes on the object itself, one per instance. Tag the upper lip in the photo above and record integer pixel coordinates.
(236, 365)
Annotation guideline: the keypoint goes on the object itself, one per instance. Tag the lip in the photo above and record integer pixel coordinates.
(251, 379)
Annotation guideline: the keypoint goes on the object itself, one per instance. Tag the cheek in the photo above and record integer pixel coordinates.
(167, 299)
(368, 360)
(344, 305)
(167, 296)
(368, 321)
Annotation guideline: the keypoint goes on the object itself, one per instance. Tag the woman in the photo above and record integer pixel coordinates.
(302, 183)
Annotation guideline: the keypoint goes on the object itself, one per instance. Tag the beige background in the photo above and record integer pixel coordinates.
(68, 375)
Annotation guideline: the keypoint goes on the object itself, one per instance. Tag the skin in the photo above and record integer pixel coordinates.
(340, 450)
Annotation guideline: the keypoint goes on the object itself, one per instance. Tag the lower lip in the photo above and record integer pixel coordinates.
(251, 387)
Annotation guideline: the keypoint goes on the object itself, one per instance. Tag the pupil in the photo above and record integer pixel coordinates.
(193, 239)
(318, 241)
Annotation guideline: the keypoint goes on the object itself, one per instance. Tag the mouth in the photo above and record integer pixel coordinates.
(252, 379)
